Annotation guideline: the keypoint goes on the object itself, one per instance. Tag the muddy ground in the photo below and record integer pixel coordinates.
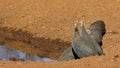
(45, 28)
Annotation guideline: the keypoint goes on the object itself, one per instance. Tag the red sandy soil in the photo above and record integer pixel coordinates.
(45, 27)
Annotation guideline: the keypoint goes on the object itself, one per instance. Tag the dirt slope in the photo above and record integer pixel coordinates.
(45, 28)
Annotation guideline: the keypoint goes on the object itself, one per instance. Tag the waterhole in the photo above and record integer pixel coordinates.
(24, 46)
(11, 54)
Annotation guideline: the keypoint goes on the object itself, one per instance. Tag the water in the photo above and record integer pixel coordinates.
(11, 54)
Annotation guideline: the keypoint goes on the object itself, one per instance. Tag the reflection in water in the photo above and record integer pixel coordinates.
(10, 54)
